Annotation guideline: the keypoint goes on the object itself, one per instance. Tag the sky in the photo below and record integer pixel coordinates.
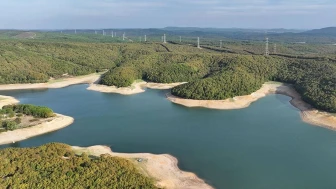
(95, 14)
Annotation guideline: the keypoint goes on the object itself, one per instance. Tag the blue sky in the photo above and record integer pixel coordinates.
(69, 14)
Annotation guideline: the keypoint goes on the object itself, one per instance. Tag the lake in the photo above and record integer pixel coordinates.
(260, 147)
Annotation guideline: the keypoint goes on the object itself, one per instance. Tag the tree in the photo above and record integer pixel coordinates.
(9, 125)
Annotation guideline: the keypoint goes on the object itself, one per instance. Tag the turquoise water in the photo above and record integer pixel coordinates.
(261, 147)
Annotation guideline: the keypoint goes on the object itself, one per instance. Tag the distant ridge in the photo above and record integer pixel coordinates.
(256, 30)
(329, 31)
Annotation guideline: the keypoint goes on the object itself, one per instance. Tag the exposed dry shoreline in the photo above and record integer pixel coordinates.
(163, 85)
(308, 114)
(54, 83)
(7, 100)
(163, 168)
(93, 80)
(135, 88)
(59, 122)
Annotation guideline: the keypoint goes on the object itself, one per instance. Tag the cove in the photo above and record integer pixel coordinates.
(263, 146)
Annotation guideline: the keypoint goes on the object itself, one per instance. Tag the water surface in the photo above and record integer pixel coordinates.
(261, 147)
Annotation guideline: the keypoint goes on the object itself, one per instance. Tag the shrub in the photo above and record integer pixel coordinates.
(9, 125)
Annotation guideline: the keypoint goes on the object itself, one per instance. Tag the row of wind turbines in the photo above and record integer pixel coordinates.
(164, 40)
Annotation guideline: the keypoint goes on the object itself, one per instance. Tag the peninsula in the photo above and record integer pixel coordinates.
(162, 168)
(308, 113)
(20, 122)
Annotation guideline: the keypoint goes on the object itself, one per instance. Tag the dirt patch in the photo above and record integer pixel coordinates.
(26, 35)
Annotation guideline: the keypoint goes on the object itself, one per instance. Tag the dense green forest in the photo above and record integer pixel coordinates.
(29, 109)
(56, 165)
(239, 68)
(11, 115)
(314, 80)
(236, 75)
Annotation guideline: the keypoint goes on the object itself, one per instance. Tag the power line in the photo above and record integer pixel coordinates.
(266, 50)
(198, 43)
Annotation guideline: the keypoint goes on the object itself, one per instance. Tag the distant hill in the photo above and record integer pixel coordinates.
(330, 31)
(245, 30)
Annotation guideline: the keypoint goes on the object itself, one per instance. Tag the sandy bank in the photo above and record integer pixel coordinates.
(135, 88)
(93, 80)
(59, 122)
(163, 168)
(7, 100)
(308, 114)
(163, 85)
(54, 83)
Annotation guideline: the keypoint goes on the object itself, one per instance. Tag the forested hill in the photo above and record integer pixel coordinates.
(56, 165)
(211, 72)
(32, 62)
(314, 80)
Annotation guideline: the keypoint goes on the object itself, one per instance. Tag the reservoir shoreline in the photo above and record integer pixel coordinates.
(58, 122)
(92, 80)
(7, 100)
(53, 84)
(135, 88)
(162, 168)
(308, 113)
(160, 147)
